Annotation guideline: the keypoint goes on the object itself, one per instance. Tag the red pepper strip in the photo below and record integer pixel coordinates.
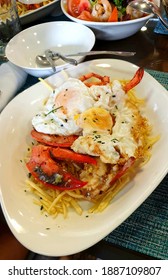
(65, 154)
(53, 140)
(135, 80)
(68, 182)
(122, 171)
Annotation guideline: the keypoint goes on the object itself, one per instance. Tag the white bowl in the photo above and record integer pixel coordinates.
(110, 30)
(65, 37)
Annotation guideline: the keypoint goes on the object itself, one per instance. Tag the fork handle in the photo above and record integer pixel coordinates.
(120, 53)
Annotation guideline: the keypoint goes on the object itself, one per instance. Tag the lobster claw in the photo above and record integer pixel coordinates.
(48, 172)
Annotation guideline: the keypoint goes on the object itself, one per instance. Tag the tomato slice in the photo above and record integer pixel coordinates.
(53, 140)
(75, 7)
(86, 15)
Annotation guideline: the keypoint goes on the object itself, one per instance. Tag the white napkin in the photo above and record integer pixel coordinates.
(12, 78)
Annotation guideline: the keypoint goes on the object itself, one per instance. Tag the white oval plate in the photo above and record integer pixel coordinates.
(58, 237)
(41, 12)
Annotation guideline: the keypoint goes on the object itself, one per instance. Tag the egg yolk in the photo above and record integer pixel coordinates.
(95, 119)
(67, 100)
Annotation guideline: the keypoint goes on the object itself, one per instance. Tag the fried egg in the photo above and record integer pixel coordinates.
(109, 134)
(101, 115)
(110, 146)
(95, 119)
(72, 98)
(68, 100)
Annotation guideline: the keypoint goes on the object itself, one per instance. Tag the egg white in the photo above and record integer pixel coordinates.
(110, 144)
(70, 109)
(57, 117)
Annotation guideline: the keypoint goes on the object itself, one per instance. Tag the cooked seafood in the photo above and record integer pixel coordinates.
(89, 136)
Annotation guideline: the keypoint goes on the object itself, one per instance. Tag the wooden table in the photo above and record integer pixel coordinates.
(152, 54)
(151, 48)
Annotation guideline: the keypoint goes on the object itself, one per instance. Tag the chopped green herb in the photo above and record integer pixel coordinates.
(114, 140)
(54, 110)
(29, 175)
(97, 136)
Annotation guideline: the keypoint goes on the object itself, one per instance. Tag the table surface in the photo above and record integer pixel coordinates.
(144, 235)
(151, 48)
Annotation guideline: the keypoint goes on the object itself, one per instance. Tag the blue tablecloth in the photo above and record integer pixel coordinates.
(146, 230)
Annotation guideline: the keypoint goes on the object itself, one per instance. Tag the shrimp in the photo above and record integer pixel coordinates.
(101, 10)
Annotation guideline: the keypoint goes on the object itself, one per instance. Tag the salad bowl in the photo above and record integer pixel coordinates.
(105, 30)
